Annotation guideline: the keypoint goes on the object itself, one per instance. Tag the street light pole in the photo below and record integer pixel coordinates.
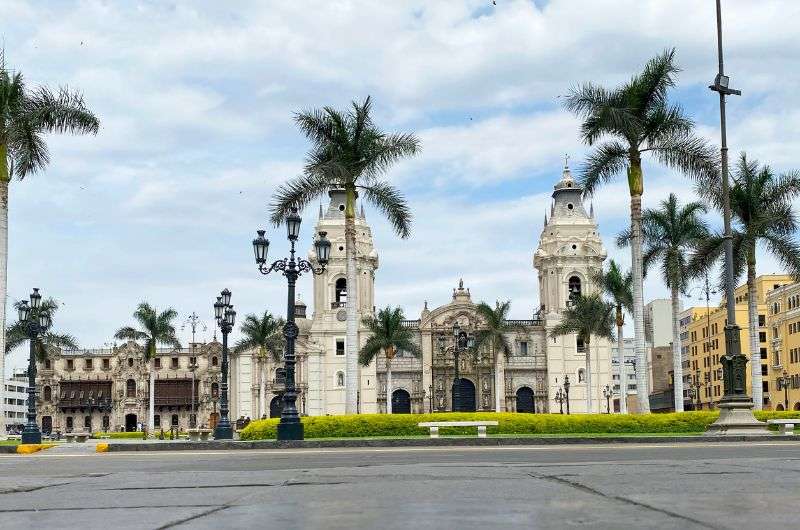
(560, 400)
(784, 382)
(566, 391)
(35, 322)
(607, 393)
(193, 417)
(736, 415)
(226, 318)
(290, 427)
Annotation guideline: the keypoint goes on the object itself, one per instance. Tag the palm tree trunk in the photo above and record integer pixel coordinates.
(752, 315)
(677, 358)
(642, 386)
(388, 386)
(623, 379)
(499, 384)
(151, 419)
(589, 389)
(351, 343)
(4, 180)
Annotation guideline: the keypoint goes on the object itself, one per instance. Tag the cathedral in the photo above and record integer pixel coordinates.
(527, 379)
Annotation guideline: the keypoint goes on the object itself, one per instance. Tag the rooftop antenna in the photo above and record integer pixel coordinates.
(194, 322)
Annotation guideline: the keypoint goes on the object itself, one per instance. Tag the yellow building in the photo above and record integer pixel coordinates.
(783, 321)
(704, 344)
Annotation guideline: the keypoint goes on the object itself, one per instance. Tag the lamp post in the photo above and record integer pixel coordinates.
(226, 318)
(783, 382)
(560, 400)
(736, 415)
(193, 417)
(35, 322)
(566, 391)
(290, 427)
(607, 393)
(462, 340)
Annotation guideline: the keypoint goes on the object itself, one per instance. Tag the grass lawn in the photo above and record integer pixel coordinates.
(9, 442)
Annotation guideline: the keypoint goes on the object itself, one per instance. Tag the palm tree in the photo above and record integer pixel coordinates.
(637, 118)
(670, 233)
(48, 340)
(589, 316)
(349, 152)
(617, 287)
(762, 215)
(26, 114)
(494, 335)
(155, 328)
(388, 336)
(264, 333)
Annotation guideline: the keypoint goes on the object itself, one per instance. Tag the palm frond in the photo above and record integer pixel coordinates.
(61, 112)
(392, 203)
(688, 154)
(606, 161)
(296, 193)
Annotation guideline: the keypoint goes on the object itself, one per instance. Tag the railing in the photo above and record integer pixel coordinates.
(173, 401)
(531, 322)
(409, 324)
(85, 403)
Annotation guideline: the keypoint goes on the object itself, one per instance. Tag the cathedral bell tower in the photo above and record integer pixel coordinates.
(328, 322)
(569, 255)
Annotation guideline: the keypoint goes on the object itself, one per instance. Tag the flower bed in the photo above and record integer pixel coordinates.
(368, 425)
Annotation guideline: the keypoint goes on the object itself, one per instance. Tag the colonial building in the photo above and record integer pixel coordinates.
(570, 252)
(108, 389)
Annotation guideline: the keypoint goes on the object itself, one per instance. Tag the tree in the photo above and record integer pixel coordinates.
(762, 215)
(388, 336)
(671, 233)
(589, 316)
(494, 335)
(349, 152)
(264, 334)
(634, 119)
(155, 328)
(618, 288)
(26, 114)
(48, 340)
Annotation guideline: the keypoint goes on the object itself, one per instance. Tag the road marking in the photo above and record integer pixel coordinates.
(349, 450)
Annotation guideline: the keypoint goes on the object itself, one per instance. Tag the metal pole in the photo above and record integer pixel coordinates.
(31, 433)
(224, 430)
(290, 427)
(192, 421)
(457, 381)
(566, 390)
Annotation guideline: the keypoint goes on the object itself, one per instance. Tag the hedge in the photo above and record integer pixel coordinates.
(369, 425)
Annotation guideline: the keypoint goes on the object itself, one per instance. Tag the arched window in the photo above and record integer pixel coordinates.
(69, 424)
(174, 421)
(581, 375)
(130, 388)
(156, 420)
(574, 288)
(106, 423)
(215, 390)
(214, 361)
(339, 379)
(341, 291)
(48, 393)
(87, 423)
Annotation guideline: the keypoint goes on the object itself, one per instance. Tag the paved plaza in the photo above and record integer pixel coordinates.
(703, 485)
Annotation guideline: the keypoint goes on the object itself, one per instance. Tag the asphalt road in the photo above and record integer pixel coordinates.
(686, 486)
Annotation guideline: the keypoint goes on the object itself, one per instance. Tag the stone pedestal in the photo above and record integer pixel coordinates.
(736, 418)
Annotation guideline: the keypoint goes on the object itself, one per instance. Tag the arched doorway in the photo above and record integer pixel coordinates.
(130, 422)
(275, 407)
(47, 424)
(467, 392)
(401, 402)
(797, 406)
(525, 400)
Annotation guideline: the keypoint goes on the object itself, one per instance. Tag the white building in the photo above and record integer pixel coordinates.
(15, 401)
(569, 253)
(658, 322)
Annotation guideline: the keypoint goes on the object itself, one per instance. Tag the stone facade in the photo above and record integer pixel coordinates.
(570, 252)
(108, 389)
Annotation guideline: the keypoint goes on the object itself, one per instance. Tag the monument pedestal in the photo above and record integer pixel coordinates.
(736, 418)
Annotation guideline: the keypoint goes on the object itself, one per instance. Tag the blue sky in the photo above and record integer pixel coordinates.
(196, 103)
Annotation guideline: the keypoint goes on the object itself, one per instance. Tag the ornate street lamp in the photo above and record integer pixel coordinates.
(560, 398)
(462, 341)
(607, 393)
(290, 427)
(783, 382)
(193, 416)
(226, 318)
(35, 323)
(566, 391)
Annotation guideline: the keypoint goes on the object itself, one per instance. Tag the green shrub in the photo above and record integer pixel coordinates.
(367, 425)
(119, 435)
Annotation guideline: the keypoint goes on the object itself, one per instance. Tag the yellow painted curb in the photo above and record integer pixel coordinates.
(26, 449)
(101, 448)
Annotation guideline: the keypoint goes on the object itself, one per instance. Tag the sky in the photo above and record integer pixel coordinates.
(196, 103)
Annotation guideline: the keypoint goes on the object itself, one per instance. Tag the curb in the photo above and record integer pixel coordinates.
(26, 449)
(432, 442)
